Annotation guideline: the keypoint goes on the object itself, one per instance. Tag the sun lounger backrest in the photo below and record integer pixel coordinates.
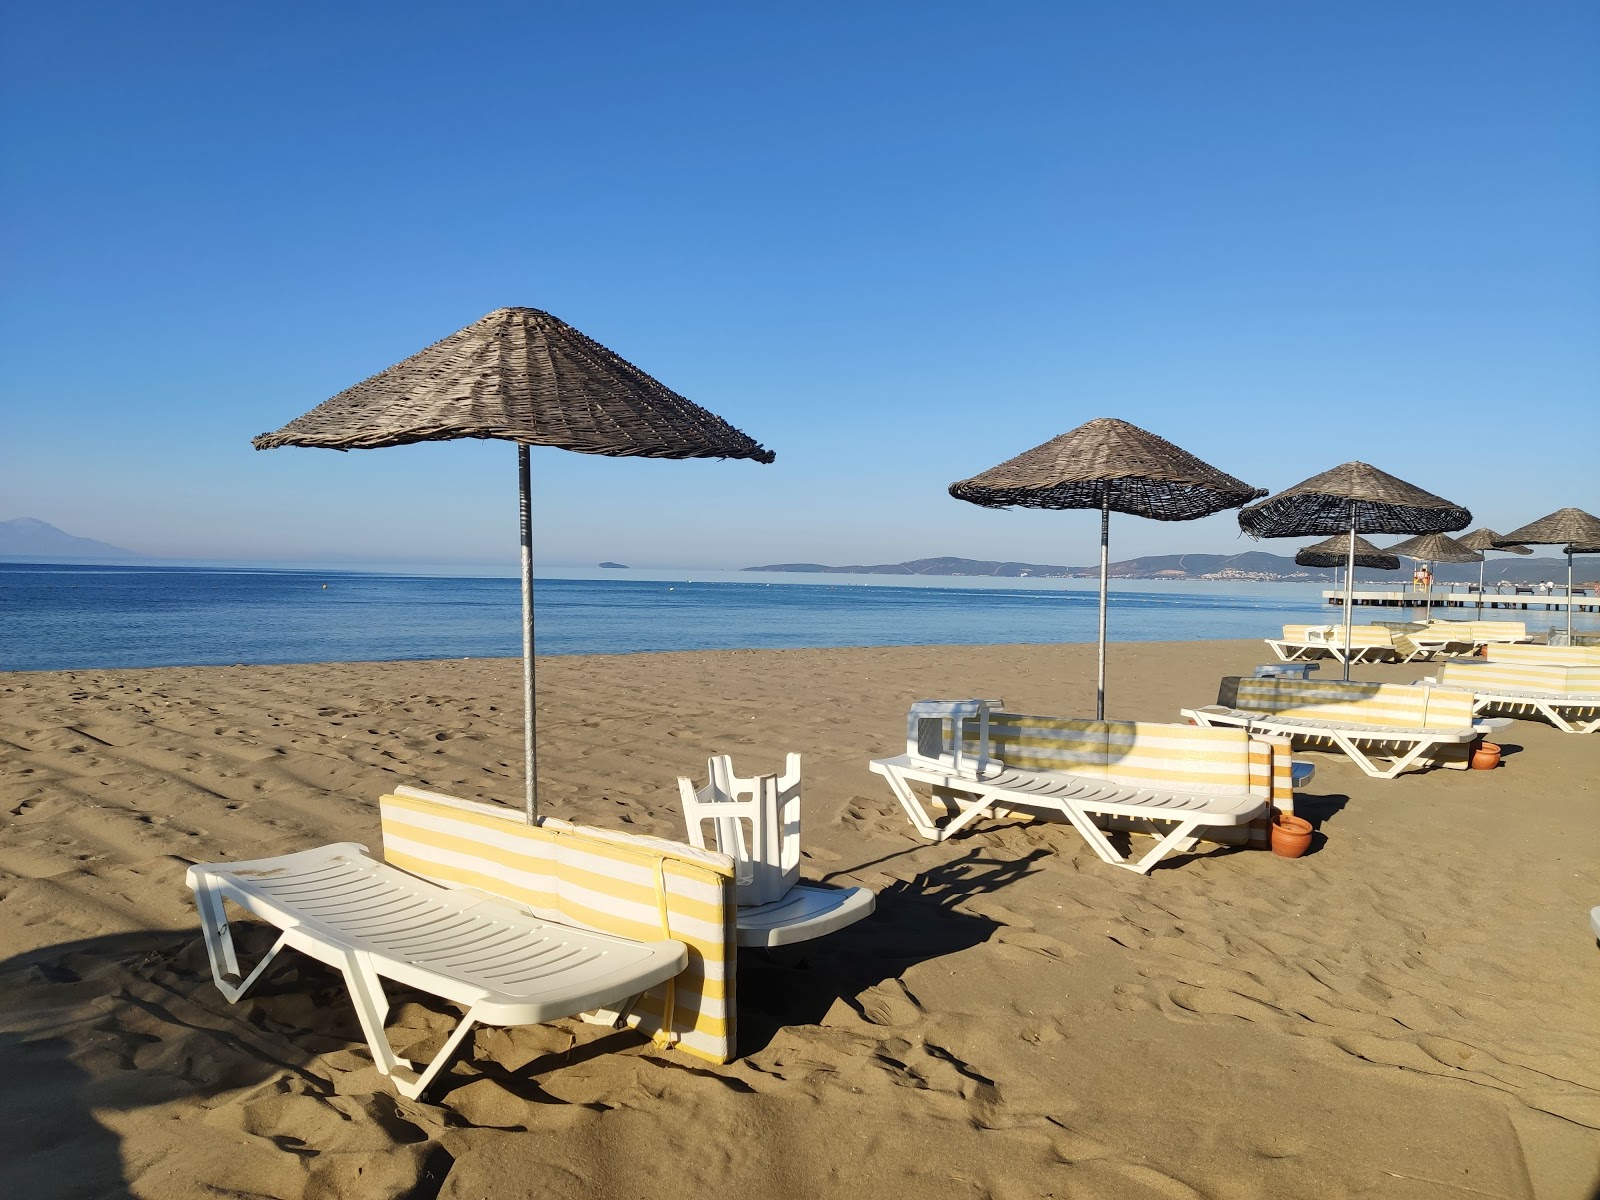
(1144, 754)
(1401, 705)
(1541, 677)
(1333, 635)
(637, 887)
(1560, 656)
(1481, 631)
(1302, 633)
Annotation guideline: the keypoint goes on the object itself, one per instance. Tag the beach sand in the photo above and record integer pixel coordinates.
(1413, 1010)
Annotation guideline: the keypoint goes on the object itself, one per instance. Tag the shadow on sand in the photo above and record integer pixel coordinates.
(915, 921)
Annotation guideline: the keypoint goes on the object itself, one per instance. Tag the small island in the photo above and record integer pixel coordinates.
(611, 566)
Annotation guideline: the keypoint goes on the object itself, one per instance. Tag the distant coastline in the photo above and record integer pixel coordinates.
(1252, 566)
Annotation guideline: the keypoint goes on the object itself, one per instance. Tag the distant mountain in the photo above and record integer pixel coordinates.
(1251, 564)
(611, 566)
(28, 539)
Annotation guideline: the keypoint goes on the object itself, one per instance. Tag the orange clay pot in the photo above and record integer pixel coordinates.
(1486, 757)
(1291, 835)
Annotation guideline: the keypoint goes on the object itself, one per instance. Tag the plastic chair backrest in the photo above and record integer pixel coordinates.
(755, 821)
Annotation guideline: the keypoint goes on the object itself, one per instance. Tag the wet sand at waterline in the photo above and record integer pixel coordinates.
(1413, 1010)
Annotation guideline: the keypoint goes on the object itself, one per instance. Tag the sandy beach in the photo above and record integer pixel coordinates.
(1413, 1010)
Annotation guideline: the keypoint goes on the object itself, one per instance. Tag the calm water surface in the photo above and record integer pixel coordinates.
(58, 617)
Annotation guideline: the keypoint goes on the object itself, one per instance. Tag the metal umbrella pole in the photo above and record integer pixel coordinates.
(529, 756)
(1100, 678)
(1349, 592)
(1569, 597)
(1482, 562)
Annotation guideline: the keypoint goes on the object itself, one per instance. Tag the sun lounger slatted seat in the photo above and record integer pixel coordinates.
(1567, 697)
(519, 924)
(1411, 727)
(1368, 643)
(1173, 782)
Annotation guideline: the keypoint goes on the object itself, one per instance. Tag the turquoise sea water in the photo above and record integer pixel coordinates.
(57, 617)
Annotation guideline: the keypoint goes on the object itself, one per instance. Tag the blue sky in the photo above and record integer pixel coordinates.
(897, 243)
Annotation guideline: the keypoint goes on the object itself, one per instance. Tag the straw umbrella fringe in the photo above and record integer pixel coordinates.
(1431, 548)
(1484, 539)
(521, 375)
(1572, 526)
(1113, 466)
(1353, 498)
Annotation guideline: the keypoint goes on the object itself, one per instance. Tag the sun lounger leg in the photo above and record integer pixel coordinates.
(1180, 841)
(218, 936)
(914, 810)
(924, 824)
(1575, 725)
(372, 1008)
(412, 1089)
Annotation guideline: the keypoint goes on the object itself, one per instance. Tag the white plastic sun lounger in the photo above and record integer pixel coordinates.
(1385, 729)
(1566, 696)
(374, 922)
(1368, 643)
(1173, 782)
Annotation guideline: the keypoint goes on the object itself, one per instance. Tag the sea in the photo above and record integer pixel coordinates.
(57, 617)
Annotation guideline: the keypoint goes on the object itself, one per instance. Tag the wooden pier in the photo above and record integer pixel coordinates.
(1414, 598)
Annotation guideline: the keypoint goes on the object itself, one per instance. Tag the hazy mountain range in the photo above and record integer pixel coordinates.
(28, 539)
(1251, 564)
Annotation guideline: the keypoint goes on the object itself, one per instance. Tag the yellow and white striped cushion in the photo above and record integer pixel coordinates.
(636, 887)
(1560, 656)
(1144, 754)
(1400, 705)
(1541, 677)
(1482, 631)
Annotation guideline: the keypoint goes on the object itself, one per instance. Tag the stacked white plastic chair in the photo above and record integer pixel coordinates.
(756, 822)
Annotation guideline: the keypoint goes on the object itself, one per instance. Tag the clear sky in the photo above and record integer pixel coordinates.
(895, 242)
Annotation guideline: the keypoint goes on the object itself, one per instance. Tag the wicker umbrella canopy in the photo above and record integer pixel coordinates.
(524, 376)
(1595, 549)
(1107, 463)
(1564, 525)
(1570, 525)
(1435, 547)
(1335, 552)
(1484, 538)
(1113, 466)
(1353, 497)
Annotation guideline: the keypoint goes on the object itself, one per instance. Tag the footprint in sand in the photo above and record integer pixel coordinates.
(890, 1003)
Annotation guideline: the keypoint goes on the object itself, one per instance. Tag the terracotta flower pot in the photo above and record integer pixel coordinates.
(1291, 835)
(1486, 757)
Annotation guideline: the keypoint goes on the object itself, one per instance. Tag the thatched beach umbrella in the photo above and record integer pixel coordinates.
(1335, 552)
(1355, 498)
(1572, 526)
(1113, 466)
(524, 376)
(1431, 548)
(1483, 539)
